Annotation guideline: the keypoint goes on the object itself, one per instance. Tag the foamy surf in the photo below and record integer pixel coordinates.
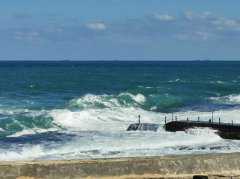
(97, 127)
(95, 145)
(229, 99)
(76, 110)
(32, 131)
(117, 118)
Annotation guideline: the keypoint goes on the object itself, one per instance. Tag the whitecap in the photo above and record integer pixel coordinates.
(32, 131)
(27, 153)
(138, 98)
(106, 101)
(229, 99)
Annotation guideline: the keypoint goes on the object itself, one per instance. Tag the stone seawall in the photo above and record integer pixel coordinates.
(185, 166)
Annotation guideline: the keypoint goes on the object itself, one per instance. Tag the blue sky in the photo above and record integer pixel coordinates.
(119, 30)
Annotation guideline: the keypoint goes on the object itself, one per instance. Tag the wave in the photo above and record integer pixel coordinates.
(90, 112)
(153, 102)
(229, 99)
(107, 101)
(118, 119)
(97, 145)
(27, 153)
(177, 80)
(19, 122)
(14, 111)
(100, 119)
(101, 131)
(32, 131)
(218, 82)
(102, 113)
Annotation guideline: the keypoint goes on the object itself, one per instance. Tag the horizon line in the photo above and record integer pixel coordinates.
(121, 60)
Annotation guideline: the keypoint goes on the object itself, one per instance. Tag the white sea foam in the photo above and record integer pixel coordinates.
(27, 112)
(217, 82)
(90, 100)
(135, 143)
(101, 119)
(230, 99)
(139, 98)
(118, 118)
(101, 132)
(173, 81)
(32, 131)
(98, 145)
(27, 153)
(109, 101)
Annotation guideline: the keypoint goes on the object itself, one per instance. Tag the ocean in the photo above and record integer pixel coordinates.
(81, 110)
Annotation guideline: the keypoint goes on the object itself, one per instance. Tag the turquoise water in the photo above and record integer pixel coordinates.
(57, 110)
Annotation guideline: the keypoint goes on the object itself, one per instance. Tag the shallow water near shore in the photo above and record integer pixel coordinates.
(81, 110)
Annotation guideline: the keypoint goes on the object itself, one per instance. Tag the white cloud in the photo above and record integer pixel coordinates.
(223, 23)
(190, 26)
(164, 17)
(189, 15)
(27, 35)
(198, 35)
(99, 26)
(202, 35)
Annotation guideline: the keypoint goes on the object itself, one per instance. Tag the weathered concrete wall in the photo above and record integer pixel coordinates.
(153, 167)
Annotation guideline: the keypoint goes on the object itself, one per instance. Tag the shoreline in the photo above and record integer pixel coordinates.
(179, 166)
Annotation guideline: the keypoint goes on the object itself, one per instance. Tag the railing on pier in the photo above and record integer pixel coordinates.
(225, 130)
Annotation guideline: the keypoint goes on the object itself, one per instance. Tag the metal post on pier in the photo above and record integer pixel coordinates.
(219, 120)
(175, 118)
(198, 118)
(165, 119)
(187, 118)
(232, 122)
(212, 116)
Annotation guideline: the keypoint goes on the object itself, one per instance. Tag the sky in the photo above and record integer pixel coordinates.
(119, 30)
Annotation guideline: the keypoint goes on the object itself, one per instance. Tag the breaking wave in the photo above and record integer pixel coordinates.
(101, 113)
(108, 101)
(229, 99)
(114, 113)
(97, 125)
(18, 122)
(97, 145)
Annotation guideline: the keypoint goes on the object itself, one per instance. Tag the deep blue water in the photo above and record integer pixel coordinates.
(40, 101)
(167, 85)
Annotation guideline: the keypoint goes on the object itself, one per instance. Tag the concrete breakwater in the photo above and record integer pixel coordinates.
(225, 130)
(184, 166)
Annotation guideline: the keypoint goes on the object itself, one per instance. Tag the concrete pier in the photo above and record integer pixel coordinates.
(143, 127)
(225, 130)
(185, 167)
